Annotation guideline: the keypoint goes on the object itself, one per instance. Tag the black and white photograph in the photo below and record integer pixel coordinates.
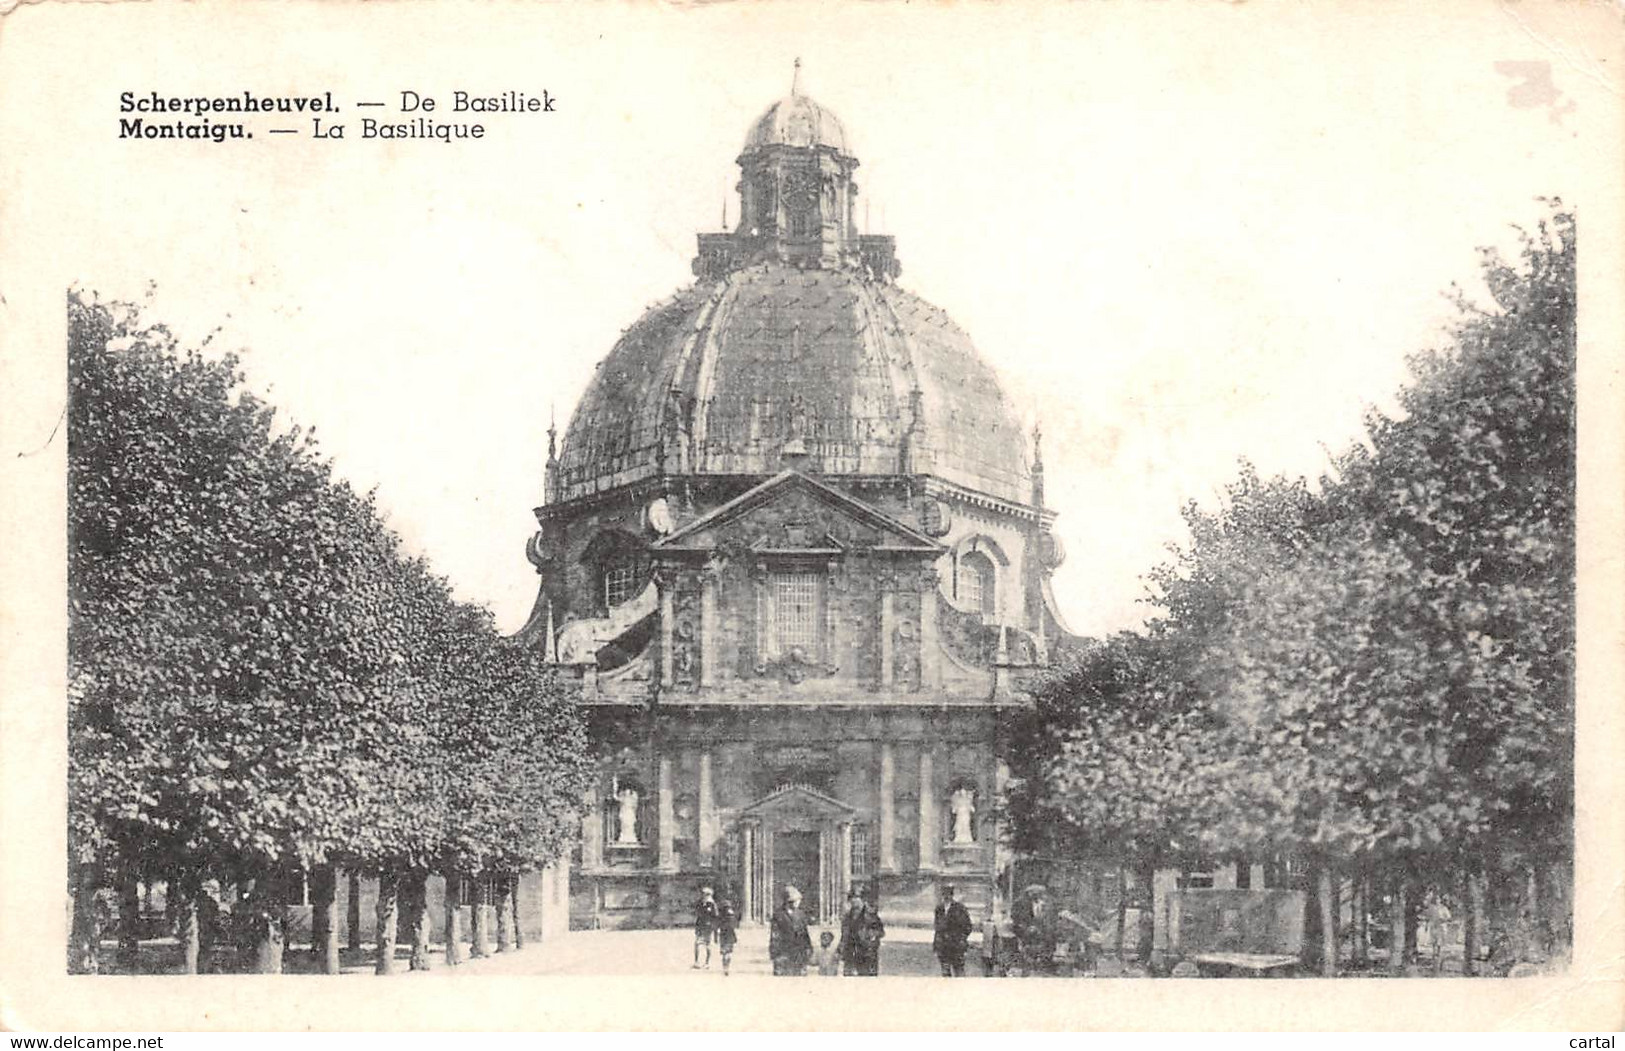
(536, 516)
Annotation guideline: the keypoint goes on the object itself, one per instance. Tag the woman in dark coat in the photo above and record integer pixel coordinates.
(861, 931)
(788, 942)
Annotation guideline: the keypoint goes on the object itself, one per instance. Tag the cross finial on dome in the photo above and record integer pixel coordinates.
(795, 77)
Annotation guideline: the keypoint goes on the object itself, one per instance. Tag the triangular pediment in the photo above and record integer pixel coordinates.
(791, 513)
(800, 800)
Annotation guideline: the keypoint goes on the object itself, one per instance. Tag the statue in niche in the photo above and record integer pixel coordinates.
(626, 834)
(963, 805)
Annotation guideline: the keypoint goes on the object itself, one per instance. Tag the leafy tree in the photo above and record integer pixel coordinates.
(1374, 674)
(262, 684)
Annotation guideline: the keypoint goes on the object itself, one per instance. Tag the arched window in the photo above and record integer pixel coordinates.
(975, 588)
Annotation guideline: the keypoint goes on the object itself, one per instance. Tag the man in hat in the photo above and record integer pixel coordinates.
(952, 934)
(788, 942)
(705, 925)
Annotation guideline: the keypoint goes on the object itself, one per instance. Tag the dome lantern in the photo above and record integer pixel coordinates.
(797, 194)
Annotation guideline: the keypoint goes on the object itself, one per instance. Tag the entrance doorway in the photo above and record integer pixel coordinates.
(795, 863)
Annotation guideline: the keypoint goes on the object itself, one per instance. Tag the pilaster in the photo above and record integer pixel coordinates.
(707, 815)
(592, 831)
(928, 810)
(666, 819)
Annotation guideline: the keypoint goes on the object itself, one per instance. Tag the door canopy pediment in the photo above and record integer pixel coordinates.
(800, 801)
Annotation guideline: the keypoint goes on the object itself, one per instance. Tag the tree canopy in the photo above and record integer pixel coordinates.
(260, 677)
(1376, 669)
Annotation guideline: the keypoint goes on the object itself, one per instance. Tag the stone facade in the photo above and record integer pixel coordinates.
(794, 545)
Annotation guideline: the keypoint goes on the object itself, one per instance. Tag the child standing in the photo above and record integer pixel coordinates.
(829, 961)
(727, 932)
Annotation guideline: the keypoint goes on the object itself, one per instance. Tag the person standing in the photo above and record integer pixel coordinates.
(788, 942)
(951, 937)
(1034, 923)
(727, 933)
(705, 925)
(829, 962)
(861, 931)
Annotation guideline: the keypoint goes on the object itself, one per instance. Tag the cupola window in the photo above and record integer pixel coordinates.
(974, 587)
(620, 581)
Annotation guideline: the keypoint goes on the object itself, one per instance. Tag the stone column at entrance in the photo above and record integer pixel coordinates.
(666, 820)
(707, 816)
(747, 874)
(888, 818)
(928, 811)
(844, 870)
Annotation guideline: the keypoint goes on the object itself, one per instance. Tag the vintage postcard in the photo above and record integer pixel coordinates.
(1103, 517)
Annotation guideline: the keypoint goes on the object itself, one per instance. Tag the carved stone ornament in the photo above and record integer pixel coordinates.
(935, 518)
(658, 516)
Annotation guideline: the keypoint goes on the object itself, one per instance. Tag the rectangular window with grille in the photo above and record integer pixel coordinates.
(795, 612)
(619, 579)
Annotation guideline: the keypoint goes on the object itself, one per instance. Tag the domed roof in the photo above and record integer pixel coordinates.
(730, 374)
(797, 120)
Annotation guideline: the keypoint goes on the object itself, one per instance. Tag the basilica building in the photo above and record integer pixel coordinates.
(793, 543)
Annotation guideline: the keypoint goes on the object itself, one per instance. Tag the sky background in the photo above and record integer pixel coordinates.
(1183, 235)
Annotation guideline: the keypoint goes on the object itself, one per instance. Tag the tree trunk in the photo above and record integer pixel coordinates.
(324, 917)
(1328, 921)
(1414, 896)
(454, 933)
(1397, 922)
(129, 920)
(209, 926)
(386, 916)
(513, 909)
(182, 900)
(1361, 915)
(85, 939)
(1547, 906)
(268, 906)
(352, 911)
(499, 891)
(417, 896)
(1470, 906)
(1122, 915)
(1147, 931)
(479, 939)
